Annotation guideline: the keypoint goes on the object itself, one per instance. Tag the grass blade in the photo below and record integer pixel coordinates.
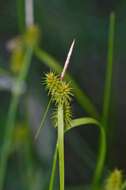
(108, 78)
(102, 146)
(42, 120)
(51, 184)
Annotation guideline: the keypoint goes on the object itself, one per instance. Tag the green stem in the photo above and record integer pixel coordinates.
(5, 150)
(51, 184)
(61, 145)
(101, 159)
(108, 78)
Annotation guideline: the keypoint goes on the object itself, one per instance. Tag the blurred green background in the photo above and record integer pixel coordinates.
(60, 21)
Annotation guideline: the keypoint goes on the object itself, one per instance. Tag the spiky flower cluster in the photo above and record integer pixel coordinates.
(114, 181)
(60, 92)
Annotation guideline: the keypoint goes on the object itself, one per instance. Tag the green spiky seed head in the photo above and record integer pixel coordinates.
(51, 82)
(61, 93)
(114, 181)
(59, 90)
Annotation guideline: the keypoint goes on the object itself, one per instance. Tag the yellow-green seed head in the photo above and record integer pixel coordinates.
(58, 89)
(51, 82)
(60, 92)
(114, 181)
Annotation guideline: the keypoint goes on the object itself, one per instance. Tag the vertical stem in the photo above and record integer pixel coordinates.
(5, 150)
(61, 145)
(51, 184)
(108, 78)
(101, 159)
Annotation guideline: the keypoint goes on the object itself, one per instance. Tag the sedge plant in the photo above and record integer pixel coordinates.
(61, 94)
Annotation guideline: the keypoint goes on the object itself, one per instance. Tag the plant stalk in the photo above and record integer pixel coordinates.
(108, 78)
(51, 184)
(61, 145)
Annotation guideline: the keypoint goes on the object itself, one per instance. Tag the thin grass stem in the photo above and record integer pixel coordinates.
(108, 78)
(61, 145)
(51, 184)
(42, 120)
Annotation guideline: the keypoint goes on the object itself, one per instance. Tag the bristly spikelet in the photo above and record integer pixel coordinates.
(67, 116)
(60, 92)
(114, 181)
(51, 82)
(63, 93)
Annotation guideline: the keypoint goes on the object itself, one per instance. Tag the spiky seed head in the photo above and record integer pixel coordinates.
(58, 89)
(51, 81)
(61, 93)
(114, 181)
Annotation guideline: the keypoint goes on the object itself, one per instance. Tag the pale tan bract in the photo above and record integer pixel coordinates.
(67, 60)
